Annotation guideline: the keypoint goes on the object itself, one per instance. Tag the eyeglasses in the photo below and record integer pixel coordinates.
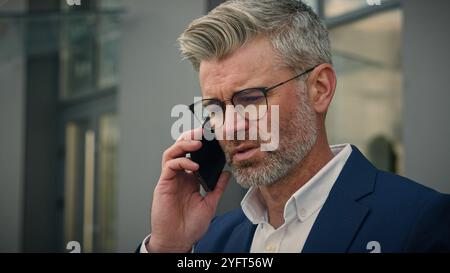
(255, 97)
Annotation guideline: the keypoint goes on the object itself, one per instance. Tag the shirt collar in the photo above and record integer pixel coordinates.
(306, 200)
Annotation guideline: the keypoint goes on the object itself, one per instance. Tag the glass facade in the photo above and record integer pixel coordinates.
(90, 182)
(334, 8)
(367, 107)
(72, 53)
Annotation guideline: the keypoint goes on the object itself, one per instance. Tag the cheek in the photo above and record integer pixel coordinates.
(287, 108)
(227, 145)
(223, 145)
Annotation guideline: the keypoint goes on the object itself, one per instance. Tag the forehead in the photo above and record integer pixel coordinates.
(246, 67)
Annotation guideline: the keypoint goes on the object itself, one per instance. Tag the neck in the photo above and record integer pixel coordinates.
(278, 193)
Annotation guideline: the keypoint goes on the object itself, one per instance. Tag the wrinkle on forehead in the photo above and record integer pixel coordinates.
(249, 66)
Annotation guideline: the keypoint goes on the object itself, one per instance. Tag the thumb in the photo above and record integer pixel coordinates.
(212, 198)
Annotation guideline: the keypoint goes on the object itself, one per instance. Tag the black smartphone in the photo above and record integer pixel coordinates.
(211, 160)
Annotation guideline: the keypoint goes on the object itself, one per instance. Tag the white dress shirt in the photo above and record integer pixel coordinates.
(300, 211)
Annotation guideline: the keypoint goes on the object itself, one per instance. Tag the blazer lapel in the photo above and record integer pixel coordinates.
(241, 238)
(341, 216)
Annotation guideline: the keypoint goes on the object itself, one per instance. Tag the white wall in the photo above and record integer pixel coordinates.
(426, 66)
(12, 75)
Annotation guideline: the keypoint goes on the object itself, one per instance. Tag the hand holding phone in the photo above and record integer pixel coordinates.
(180, 216)
(211, 159)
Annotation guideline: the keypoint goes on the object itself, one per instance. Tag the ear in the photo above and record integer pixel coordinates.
(321, 86)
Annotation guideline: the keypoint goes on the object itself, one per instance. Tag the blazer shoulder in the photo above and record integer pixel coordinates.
(402, 189)
(416, 214)
(400, 196)
(431, 229)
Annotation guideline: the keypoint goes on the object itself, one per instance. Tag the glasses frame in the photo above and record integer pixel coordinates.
(264, 90)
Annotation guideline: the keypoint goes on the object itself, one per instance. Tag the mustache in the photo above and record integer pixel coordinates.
(228, 146)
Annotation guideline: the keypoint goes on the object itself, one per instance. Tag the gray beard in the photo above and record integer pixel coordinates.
(296, 140)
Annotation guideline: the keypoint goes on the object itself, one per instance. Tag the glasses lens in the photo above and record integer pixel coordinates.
(251, 103)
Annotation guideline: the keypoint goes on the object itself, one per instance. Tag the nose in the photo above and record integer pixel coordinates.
(233, 123)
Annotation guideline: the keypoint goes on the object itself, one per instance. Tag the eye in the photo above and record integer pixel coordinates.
(251, 99)
(249, 96)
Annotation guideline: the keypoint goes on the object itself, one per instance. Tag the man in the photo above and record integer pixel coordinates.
(304, 196)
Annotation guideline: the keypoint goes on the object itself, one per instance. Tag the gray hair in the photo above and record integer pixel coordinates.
(297, 34)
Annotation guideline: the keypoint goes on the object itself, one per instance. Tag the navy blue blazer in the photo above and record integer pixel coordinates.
(367, 210)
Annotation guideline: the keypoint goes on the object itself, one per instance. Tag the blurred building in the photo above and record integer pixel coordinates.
(86, 94)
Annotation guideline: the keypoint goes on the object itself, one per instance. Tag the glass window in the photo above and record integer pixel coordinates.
(314, 4)
(367, 106)
(74, 180)
(89, 44)
(333, 8)
(88, 61)
(77, 55)
(107, 51)
(106, 201)
(91, 182)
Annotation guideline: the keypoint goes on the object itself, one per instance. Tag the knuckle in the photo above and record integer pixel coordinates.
(177, 161)
(184, 135)
(166, 164)
(165, 154)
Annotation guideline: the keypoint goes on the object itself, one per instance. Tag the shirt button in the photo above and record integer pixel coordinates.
(302, 212)
(270, 248)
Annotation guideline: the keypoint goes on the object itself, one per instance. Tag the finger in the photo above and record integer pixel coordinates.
(213, 197)
(179, 149)
(172, 167)
(195, 134)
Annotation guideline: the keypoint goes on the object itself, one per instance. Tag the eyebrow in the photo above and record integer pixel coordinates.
(237, 91)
